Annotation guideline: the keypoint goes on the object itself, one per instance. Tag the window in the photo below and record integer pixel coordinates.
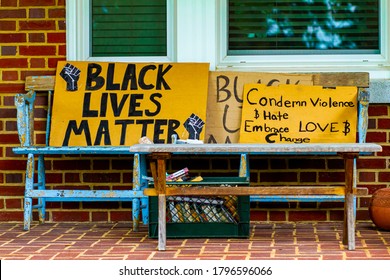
(129, 28)
(120, 30)
(305, 26)
(306, 34)
(252, 35)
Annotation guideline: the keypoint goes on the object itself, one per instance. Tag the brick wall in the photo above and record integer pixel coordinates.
(32, 36)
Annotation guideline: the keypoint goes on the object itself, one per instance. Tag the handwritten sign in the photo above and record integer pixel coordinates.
(298, 114)
(115, 104)
(225, 97)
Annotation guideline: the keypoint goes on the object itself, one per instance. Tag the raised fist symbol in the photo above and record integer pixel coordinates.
(194, 126)
(71, 75)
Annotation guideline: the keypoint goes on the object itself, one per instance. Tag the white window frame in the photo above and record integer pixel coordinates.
(197, 32)
(376, 64)
(78, 33)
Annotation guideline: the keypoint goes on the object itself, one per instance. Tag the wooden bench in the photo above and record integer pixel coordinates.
(159, 153)
(349, 152)
(36, 153)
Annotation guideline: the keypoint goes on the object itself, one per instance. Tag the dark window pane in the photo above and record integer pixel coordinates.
(129, 28)
(303, 27)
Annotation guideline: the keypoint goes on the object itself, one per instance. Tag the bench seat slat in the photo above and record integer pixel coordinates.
(85, 194)
(258, 149)
(268, 149)
(89, 150)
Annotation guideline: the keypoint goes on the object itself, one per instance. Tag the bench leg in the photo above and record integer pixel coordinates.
(41, 186)
(29, 187)
(139, 204)
(349, 204)
(136, 186)
(143, 185)
(158, 168)
(145, 210)
(162, 224)
(136, 213)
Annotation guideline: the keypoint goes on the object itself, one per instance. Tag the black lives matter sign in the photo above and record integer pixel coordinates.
(114, 104)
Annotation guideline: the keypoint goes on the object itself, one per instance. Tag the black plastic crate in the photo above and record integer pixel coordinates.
(196, 217)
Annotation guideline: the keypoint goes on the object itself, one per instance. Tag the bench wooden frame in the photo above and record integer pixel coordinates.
(36, 153)
(159, 153)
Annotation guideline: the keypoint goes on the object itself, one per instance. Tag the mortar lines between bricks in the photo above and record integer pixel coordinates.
(117, 241)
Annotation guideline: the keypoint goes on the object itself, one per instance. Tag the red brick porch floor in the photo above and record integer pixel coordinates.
(117, 241)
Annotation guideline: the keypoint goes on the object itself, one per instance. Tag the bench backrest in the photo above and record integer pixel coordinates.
(25, 102)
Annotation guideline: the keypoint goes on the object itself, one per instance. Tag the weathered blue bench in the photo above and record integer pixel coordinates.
(35, 186)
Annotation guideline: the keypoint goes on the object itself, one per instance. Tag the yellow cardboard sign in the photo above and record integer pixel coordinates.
(113, 104)
(224, 102)
(298, 114)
